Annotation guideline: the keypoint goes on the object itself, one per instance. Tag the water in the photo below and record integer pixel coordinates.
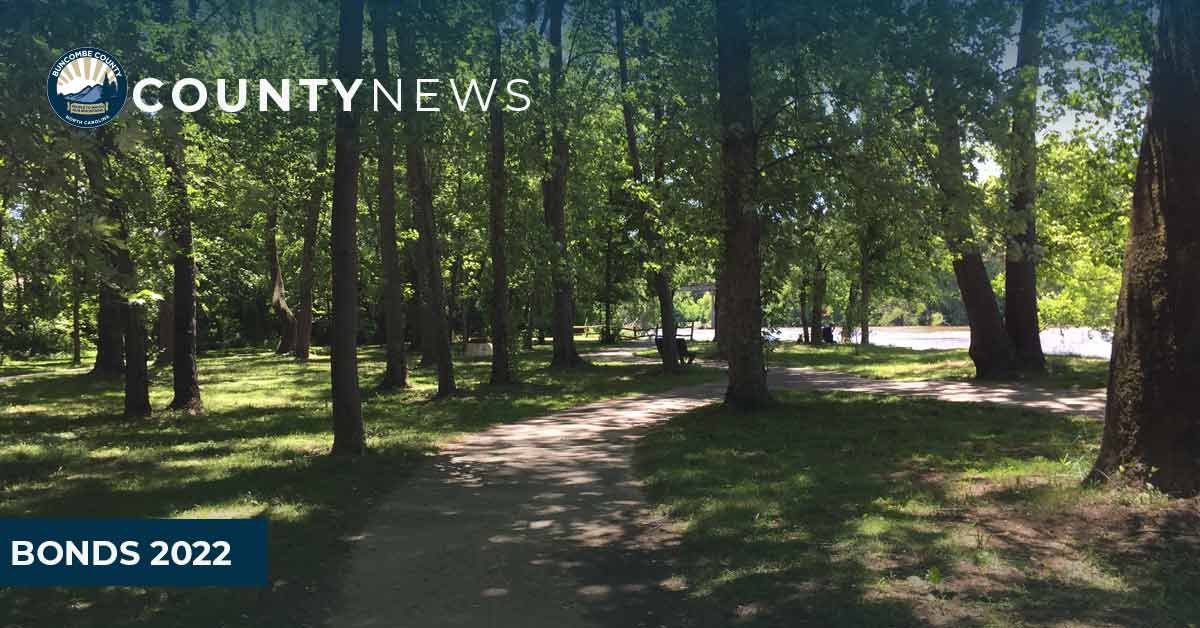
(1091, 343)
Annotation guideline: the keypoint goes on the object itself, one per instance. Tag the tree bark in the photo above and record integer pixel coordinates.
(137, 378)
(741, 271)
(1021, 255)
(312, 221)
(395, 372)
(497, 195)
(1152, 429)
(287, 320)
(348, 436)
(554, 199)
(420, 191)
(864, 306)
(110, 323)
(817, 320)
(851, 313)
(185, 378)
(990, 349)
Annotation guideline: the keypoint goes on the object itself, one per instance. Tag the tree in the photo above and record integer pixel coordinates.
(348, 436)
(1151, 430)
(497, 195)
(312, 223)
(659, 280)
(554, 200)
(395, 372)
(1021, 256)
(741, 311)
(420, 191)
(287, 320)
(174, 153)
(991, 347)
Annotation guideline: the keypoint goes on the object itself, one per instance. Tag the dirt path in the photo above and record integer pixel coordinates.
(540, 524)
(531, 524)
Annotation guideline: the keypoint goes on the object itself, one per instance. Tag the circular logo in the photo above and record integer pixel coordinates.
(87, 87)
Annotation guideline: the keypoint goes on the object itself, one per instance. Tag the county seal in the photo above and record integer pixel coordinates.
(87, 87)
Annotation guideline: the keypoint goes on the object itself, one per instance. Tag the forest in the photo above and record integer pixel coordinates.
(253, 291)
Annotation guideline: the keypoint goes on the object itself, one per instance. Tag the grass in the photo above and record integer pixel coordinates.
(846, 509)
(258, 451)
(12, 366)
(878, 362)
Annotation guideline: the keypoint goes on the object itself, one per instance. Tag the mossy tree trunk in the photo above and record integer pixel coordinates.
(1152, 429)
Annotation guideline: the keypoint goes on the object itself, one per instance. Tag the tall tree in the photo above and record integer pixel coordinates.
(741, 312)
(1020, 267)
(1152, 430)
(659, 280)
(497, 197)
(183, 262)
(312, 223)
(990, 346)
(131, 336)
(395, 372)
(348, 436)
(554, 200)
(287, 320)
(436, 332)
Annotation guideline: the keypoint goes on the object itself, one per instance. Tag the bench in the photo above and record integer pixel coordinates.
(681, 348)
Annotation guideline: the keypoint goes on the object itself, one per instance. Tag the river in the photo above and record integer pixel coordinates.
(1091, 343)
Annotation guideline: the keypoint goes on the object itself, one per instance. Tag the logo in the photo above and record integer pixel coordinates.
(87, 87)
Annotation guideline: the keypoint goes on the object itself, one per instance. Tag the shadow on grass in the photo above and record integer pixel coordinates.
(258, 451)
(854, 510)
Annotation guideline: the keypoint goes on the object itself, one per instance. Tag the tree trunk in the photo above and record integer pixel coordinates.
(186, 380)
(527, 339)
(817, 320)
(990, 348)
(851, 313)
(1152, 430)
(395, 372)
(554, 199)
(110, 323)
(609, 336)
(420, 190)
(741, 270)
(312, 222)
(1021, 256)
(864, 306)
(348, 437)
(137, 379)
(166, 331)
(76, 295)
(287, 320)
(658, 280)
(497, 197)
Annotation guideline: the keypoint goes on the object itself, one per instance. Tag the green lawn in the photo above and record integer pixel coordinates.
(879, 362)
(10, 366)
(854, 510)
(258, 451)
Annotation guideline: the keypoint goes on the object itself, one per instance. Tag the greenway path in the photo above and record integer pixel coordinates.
(540, 523)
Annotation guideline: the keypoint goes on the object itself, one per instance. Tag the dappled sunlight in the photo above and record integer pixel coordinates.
(259, 451)
(863, 514)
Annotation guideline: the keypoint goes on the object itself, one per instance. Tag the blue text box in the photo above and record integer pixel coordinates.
(133, 552)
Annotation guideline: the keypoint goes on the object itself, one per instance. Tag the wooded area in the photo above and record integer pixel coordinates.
(748, 165)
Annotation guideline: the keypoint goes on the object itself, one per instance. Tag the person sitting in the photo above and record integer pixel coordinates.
(681, 349)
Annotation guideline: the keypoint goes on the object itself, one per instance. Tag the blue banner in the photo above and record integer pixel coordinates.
(133, 552)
